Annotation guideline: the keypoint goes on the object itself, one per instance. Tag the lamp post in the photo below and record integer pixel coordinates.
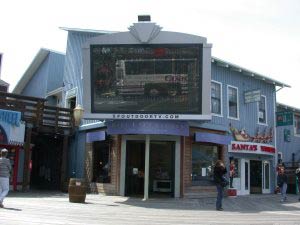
(77, 114)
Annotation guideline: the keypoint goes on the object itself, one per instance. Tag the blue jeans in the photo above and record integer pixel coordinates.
(220, 191)
(283, 191)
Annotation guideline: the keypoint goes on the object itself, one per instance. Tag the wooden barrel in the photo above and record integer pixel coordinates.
(77, 190)
(231, 192)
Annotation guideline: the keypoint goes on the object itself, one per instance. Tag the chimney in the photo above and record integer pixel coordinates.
(144, 18)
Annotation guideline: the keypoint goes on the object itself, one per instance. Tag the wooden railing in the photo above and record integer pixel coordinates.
(36, 112)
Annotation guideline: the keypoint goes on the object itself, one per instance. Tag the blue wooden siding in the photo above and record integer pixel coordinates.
(73, 62)
(248, 112)
(288, 148)
(36, 87)
(55, 71)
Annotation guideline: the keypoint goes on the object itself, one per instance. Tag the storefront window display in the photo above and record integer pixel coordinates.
(203, 159)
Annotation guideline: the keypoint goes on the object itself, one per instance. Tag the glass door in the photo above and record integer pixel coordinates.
(246, 177)
(266, 177)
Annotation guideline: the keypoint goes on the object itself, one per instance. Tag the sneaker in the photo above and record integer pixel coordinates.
(220, 209)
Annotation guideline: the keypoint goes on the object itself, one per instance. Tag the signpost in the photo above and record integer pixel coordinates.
(252, 96)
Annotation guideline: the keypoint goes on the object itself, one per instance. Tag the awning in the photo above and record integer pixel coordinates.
(167, 127)
(95, 136)
(213, 138)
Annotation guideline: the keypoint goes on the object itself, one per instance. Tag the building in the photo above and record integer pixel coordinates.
(160, 110)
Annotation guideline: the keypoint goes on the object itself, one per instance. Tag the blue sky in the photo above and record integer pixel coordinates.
(260, 35)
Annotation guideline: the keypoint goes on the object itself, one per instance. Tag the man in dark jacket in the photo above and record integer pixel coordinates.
(282, 183)
(220, 181)
(5, 169)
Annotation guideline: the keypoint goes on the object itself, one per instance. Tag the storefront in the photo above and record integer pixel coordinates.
(254, 166)
(12, 132)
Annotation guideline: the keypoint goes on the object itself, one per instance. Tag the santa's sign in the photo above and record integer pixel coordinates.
(250, 147)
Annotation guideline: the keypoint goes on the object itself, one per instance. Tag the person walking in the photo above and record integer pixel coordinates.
(5, 169)
(282, 183)
(220, 181)
(298, 180)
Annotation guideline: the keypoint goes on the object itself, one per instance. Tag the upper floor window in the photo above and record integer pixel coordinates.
(262, 110)
(216, 98)
(297, 124)
(232, 98)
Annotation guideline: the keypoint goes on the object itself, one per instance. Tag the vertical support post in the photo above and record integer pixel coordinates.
(64, 162)
(16, 168)
(146, 174)
(26, 158)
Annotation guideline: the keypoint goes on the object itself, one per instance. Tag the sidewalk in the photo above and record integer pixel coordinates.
(55, 208)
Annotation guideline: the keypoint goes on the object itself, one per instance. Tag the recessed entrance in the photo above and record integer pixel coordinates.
(135, 168)
(161, 171)
(255, 177)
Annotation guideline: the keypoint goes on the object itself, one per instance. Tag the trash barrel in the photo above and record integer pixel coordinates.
(77, 190)
(231, 192)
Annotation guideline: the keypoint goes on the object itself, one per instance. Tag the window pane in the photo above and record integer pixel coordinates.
(262, 110)
(232, 97)
(215, 98)
(203, 159)
(101, 162)
(297, 124)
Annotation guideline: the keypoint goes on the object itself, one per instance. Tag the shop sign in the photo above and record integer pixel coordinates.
(284, 118)
(252, 96)
(249, 147)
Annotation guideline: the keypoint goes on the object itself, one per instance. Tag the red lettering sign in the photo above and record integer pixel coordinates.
(267, 149)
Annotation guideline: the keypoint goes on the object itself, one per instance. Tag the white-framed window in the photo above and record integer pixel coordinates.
(297, 124)
(262, 110)
(216, 98)
(232, 102)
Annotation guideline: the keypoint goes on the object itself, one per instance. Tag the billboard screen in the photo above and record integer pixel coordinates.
(146, 79)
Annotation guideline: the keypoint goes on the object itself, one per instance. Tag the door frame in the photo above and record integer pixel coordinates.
(263, 164)
(147, 139)
(243, 190)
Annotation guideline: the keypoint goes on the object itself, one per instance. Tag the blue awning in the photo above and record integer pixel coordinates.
(213, 138)
(95, 136)
(148, 127)
(11, 117)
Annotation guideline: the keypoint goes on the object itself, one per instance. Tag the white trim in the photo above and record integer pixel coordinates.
(294, 125)
(263, 164)
(238, 103)
(266, 110)
(55, 92)
(221, 99)
(135, 116)
(72, 95)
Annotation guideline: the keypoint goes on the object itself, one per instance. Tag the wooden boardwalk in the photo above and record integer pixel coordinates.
(55, 208)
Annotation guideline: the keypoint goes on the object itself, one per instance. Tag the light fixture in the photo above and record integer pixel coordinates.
(78, 113)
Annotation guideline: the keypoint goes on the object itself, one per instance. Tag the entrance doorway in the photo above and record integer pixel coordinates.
(135, 168)
(161, 171)
(46, 162)
(255, 177)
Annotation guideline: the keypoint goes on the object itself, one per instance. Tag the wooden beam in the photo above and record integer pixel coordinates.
(63, 178)
(26, 169)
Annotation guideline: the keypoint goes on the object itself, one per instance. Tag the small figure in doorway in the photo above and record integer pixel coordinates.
(231, 173)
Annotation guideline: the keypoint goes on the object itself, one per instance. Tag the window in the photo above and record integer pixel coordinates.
(262, 110)
(216, 98)
(203, 160)
(297, 124)
(232, 98)
(101, 162)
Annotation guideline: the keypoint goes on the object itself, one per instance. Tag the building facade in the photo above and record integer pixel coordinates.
(160, 110)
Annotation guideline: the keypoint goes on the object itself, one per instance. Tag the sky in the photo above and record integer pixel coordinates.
(260, 35)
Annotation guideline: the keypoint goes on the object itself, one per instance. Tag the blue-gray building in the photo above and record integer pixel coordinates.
(160, 110)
